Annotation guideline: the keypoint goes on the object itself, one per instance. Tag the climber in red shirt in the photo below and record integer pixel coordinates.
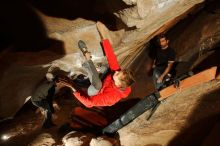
(114, 87)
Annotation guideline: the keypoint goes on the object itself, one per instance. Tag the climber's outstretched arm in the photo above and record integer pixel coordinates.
(111, 57)
(109, 52)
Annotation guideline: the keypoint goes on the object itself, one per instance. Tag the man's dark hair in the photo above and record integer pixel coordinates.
(160, 36)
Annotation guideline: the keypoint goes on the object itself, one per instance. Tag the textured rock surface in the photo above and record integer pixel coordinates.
(194, 39)
(193, 114)
(25, 68)
(43, 139)
(100, 142)
(75, 138)
(156, 21)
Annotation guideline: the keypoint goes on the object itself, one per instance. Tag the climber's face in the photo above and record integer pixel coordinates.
(118, 78)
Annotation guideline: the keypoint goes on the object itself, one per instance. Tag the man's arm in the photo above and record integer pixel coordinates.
(166, 71)
(111, 57)
(103, 99)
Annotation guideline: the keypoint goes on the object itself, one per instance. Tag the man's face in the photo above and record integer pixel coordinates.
(117, 77)
(164, 42)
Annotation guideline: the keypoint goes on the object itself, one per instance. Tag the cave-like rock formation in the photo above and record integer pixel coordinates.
(147, 18)
(50, 39)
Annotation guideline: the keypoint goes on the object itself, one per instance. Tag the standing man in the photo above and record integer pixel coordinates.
(164, 58)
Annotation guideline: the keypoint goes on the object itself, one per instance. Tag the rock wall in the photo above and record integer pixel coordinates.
(194, 42)
(149, 18)
(183, 119)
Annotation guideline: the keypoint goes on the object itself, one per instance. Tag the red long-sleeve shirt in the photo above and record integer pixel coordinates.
(109, 93)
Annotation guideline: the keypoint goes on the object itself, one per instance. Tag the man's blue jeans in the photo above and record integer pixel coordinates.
(157, 72)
